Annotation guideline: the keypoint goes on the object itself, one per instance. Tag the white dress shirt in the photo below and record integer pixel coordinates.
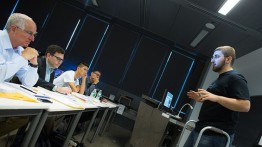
(12, 63)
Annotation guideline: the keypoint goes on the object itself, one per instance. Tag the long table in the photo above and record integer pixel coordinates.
(9, 108)
(41, 111)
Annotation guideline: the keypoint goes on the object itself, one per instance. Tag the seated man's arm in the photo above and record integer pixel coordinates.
(28, 74)
(42, 83)
(10, 68)
(28, 77)
(83, 85)
(74, 87)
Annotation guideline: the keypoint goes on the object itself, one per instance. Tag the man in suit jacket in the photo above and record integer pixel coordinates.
(54, 57)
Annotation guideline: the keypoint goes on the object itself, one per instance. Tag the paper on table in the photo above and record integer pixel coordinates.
(17, 96)
(67, 100)
(80, 96)
(7, 91)
(5, 88)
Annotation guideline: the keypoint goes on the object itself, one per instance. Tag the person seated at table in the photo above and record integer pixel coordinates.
(71, 79)
(47, 65)
(17, 58)
(68, 79)
(91, 82)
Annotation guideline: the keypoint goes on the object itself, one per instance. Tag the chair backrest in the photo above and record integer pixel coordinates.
(215, 130)
(202, 131)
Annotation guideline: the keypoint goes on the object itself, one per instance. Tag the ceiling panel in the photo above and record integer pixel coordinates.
(107, 6)
(218, 37)
(181, 20)
(129, 11)
(246, 13)
(211, 5)
(161, 16)
(187, 25)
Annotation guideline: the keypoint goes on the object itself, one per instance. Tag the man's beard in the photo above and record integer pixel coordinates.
(219, 68)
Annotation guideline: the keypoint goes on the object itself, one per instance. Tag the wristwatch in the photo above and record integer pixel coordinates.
(33, 65)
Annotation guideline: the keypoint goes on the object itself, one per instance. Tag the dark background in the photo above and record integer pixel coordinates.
(132, 61)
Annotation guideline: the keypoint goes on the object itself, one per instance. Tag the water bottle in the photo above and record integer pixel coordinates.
(93, 93)
(99, 94)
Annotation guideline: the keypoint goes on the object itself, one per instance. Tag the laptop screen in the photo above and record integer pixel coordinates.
(167, 99)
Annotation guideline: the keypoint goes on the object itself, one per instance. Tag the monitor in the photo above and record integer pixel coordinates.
(167, 101)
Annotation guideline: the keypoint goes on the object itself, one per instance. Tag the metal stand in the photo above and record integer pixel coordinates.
(201, 133)
(215, 130)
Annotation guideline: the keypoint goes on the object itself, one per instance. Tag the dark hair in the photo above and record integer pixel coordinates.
(52, 49)
(97, 71)
(82, 64)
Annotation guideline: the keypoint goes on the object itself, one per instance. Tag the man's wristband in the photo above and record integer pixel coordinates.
(33, 65)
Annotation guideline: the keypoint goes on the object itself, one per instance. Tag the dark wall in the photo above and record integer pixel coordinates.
(6, 8)
(249, 129)
(115, 54)
(131, 59)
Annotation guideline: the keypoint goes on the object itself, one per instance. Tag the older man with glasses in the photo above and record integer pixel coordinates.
(20, 31)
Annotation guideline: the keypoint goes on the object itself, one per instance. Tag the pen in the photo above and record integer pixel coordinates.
(42, 96)
(27, 89)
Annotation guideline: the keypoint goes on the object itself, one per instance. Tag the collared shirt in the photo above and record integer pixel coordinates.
(48, 72)
(12, 63)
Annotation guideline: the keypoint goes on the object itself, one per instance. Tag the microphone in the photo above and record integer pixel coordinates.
(179, 117)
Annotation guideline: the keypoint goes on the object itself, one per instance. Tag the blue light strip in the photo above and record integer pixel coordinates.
(162, 73)
(72, 34)
(130, 60)
(47, 16)
(183, 86)
(13, 9)
(90, 64)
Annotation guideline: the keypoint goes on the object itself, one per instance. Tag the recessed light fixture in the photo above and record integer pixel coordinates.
(210, 26)
(198, 38)
(228, 5)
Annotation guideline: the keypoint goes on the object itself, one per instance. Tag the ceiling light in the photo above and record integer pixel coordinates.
(228, 5)
(198, 38)
(210, 26)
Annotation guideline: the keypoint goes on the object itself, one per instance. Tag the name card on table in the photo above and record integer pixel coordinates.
(120, 109)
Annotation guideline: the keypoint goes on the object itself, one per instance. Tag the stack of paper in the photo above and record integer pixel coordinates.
(7, 91)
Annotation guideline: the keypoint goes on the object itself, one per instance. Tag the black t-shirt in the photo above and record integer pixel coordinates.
(229, 84)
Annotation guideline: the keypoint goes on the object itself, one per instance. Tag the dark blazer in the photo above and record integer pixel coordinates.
(41, 72)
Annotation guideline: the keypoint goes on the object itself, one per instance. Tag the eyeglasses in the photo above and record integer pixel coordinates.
(215, 57)
(30, 33)
(58, 58)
